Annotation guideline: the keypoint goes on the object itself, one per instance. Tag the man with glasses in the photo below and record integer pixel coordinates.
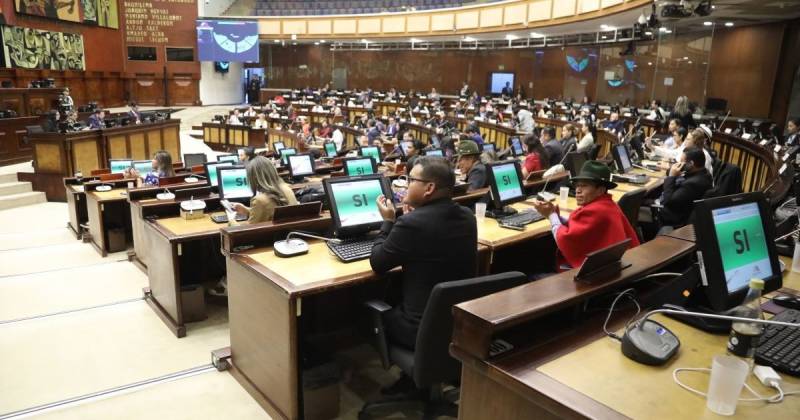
(435, 240)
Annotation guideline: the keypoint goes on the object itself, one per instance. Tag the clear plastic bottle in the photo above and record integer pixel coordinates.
(745, 336)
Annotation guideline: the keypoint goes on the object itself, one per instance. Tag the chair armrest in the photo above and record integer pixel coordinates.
(377, 308)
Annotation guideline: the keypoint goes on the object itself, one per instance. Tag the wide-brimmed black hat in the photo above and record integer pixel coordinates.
(595, 171)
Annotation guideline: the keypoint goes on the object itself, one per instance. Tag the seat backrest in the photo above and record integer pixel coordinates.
(111, 177)
(630, 203)
(594, 151)
(727, 181)
(432, 361)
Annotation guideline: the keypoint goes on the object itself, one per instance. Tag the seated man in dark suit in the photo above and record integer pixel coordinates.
(470, 165)
(688, 180)
(435, 240)
(554, 148)
(96, 120)
(134, 114)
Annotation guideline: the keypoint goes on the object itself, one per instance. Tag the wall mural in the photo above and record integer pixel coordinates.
(576, 65)
(34, 49)
(54, 9)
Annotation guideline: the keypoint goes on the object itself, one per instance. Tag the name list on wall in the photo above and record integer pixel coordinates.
(149, 21)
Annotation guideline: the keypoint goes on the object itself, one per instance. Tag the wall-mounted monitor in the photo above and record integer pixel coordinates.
(498, 80)
(227, 40)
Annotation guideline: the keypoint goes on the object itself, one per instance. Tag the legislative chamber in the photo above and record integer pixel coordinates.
(422, 209)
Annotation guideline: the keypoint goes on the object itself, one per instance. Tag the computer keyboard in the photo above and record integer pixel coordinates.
(353, 249)
(522, 218)
(221, 218)
(780, 346)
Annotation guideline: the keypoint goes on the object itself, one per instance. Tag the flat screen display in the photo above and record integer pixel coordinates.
(624, 159)
(516, 146)
(434, 152)
(507, 182)
(371, 151)
(143, 166)
(356, 202)
(488, 147)
(119, 166)
(742, 244)
(358, 167)
(211, 171)
(498, 80)
(278, 145)
(228, 158)
(301, 165)
(330, 149)
(227, 40)
(233, 183)
(285, 153)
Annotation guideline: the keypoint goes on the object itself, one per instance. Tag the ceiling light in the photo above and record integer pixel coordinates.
(365, 41)
(603, 37)
(321, 41)
(607, 28)
(316, 43)
(649, 63)
(729, 24)
(648, 33)
(690, 62)
(668, 31)
(511, 37)
(415, 40)
(536, 35)
(294, 37)
(662, 29)
(685, 58)
(642, 19)
(469, 39)
(277, 41)
(707, 23)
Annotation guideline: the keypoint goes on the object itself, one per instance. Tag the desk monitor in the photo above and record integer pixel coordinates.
(359, 166)
(488, 147)
(353, 202)
(330, 149)
(405, 147)
(373, 151)
(233, 186)
(278, 146)
(285, 153)
(193, 159)
(211, 171)
(300, 165)
(143, 166)
(436, 142)
(516, 146)
(234, 158)
(505, 183)
(735, 237)
(119, 166)
(574, 162)
(434, 152)
(622, 158)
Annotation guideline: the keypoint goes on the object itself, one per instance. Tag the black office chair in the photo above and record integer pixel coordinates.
(630, 203)
(594, 151)
(430, 364)
(727, 180)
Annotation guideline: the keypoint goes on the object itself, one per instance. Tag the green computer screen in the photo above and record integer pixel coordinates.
(143, 166)
(285, 153)
(358, 167)
(742, 244)
(371, 151)
(330, 149)
(228, 158)
(356, 201)
(119, 166)
(212, 172)
(507, 181)
(234, 183)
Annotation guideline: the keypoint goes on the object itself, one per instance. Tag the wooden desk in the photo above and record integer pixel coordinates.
(577, 372)
(269, 299)
(76, 204)
(104, 209)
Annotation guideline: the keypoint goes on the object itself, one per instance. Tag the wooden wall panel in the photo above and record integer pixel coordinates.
(744, 63)
(138, 149)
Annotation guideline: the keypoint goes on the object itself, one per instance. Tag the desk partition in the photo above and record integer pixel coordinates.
(225, 137)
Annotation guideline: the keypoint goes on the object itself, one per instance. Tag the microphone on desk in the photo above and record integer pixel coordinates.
(650, 343)
(548, 196)
(294, 247)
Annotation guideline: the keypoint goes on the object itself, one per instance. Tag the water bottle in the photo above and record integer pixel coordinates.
(745, 336)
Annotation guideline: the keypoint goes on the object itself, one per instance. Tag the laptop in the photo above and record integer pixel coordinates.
(355, 214)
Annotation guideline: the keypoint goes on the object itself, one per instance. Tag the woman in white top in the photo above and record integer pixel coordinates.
(587, 140)
(672, 152)
(234, 118)
(261, 122)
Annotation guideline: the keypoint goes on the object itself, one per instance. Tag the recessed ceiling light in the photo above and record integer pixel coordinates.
(648, 33)
(536, 35)
(321, 41)
(294, 37)
(685, 58)
(708, 23)
(729, 24)
(415, 40)
(365, 41)
(277, 41)
(469, 39)
(316, 43)
(649, 63)
(690, 62)
(662, 29)
(603, 37)
(511, 37)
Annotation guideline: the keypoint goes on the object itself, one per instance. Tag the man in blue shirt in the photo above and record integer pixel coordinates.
(96, 119)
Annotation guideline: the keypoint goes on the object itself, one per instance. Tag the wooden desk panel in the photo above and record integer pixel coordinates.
(179, 226)
(611, 379)
(115, 194)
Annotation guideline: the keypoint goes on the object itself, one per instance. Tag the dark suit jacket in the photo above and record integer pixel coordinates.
(95, 122)
(679, 196)
(434, 243)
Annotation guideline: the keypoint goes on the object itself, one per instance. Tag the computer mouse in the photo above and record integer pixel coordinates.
(791, 302)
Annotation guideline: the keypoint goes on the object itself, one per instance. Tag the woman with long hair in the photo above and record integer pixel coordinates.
(269, 191)
(537, 158)
(683, 113)
(162, 168)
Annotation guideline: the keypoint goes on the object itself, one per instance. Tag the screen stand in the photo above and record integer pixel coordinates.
(500, 213)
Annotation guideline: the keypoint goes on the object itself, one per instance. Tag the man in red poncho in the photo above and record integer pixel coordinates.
(597, 223)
